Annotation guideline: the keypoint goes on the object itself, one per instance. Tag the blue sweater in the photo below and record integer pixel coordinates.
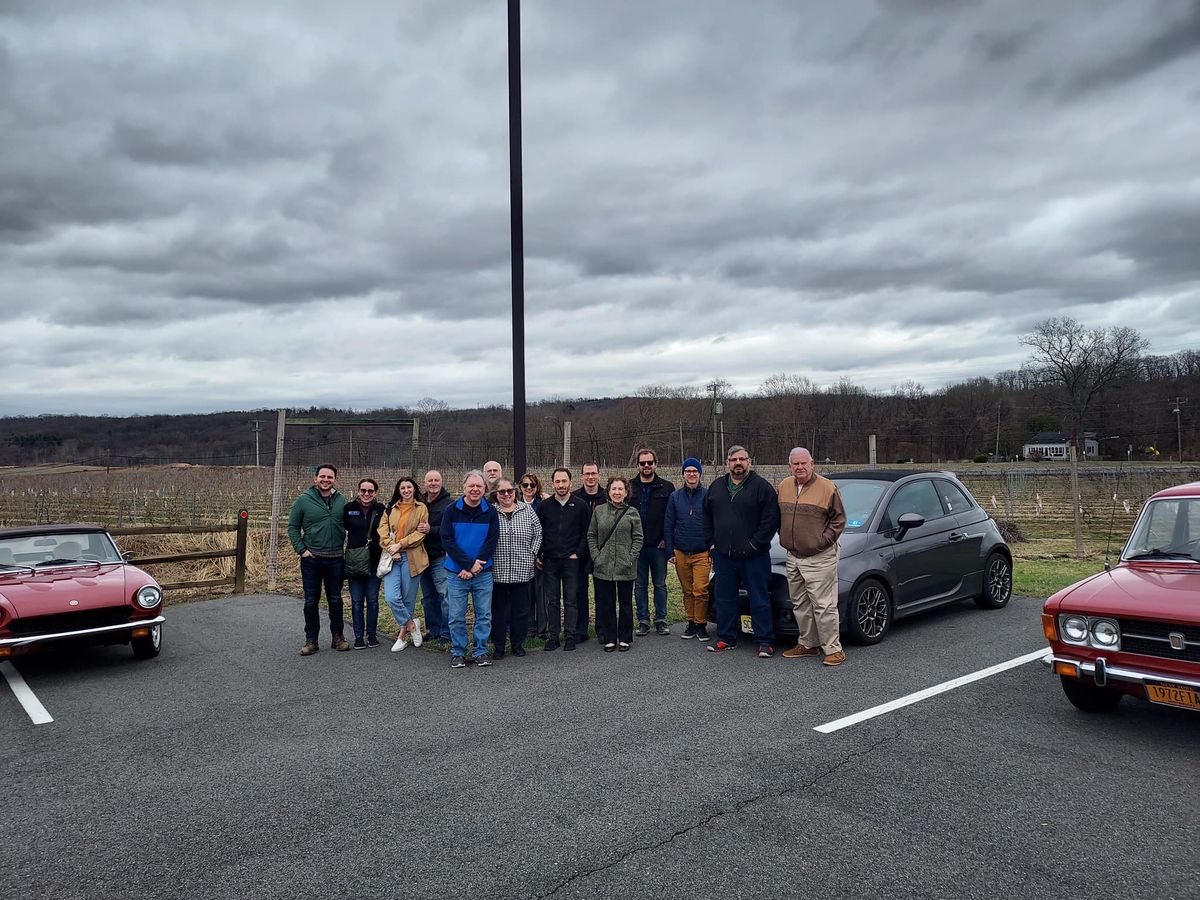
(683, 527)
(469, 533)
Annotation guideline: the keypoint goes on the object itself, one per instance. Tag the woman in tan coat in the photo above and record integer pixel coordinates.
(400, 539)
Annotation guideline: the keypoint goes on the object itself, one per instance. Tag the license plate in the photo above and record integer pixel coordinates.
(1173, 696)
(747, 625)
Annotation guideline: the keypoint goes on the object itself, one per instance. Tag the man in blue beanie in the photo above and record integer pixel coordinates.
(683, 531)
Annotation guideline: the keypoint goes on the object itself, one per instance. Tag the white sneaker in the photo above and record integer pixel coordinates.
(416, 634)
(400, 644)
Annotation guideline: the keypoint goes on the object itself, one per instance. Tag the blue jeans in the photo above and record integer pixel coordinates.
(317, 572)
(755, 573)
(480, 589)
(400, 591)
(433, 599)
(651, 562)
(364, 590)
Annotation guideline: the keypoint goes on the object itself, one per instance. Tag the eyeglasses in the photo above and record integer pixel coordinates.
(646, 462)
(739, 459)
(528, 484)
(506, 490)
(366, 490)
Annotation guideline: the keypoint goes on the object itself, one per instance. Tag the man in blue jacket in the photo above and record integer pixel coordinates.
(470, 529)
(683, 532)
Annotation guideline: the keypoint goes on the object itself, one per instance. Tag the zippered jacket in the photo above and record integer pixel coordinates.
(317, 524)
(433, 540)
(683, 528)
(740, 525)
(361, 525)
(812, 520)
(564, 527)
(656, 506)
(469, 533)
(622, 536)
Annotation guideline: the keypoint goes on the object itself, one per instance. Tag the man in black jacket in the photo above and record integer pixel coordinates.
(741, 515)
(565, 521)
(433, 579)
(593, 494)
(649, 495)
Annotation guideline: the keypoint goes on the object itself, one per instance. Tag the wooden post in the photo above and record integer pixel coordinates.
(1076, 503)
(239, 562)
(276, 503)
(416, 445)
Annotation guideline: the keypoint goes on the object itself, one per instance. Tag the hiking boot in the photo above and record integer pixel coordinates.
(339, 643)
(643, 629)
(457, 662)
(765, 651)
(800, 650)
(551, 645)
(309, 648)
(661, 628)
(835, 659)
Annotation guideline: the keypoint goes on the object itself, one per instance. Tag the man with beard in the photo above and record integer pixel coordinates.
(592, 495)
(741, 515)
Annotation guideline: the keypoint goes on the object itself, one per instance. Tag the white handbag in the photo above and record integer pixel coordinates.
(385, 559)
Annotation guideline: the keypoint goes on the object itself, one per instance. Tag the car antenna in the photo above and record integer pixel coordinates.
(1112, 517)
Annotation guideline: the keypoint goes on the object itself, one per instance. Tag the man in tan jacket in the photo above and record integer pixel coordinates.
(812, 519)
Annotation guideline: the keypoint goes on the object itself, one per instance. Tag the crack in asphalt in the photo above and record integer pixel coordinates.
(735, 808)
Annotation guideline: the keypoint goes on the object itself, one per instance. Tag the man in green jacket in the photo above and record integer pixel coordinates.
(317, 531)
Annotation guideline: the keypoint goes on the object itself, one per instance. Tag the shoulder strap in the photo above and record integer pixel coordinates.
(616, 522)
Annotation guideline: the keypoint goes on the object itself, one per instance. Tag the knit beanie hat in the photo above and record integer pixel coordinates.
(692, 461)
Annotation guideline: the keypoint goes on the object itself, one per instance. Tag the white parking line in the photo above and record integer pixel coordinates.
(27, 698)
(910, 699)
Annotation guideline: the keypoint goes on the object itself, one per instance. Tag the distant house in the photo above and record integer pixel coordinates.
(1054, 444)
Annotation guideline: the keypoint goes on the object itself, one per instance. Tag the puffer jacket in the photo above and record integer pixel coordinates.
(616, 560)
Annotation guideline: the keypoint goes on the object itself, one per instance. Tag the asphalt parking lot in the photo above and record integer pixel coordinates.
(231, 767)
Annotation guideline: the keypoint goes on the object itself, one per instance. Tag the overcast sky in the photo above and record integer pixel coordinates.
(235, 205)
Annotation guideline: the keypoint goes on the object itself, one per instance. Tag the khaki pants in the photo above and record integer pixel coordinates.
(693, 569)
(813, 588)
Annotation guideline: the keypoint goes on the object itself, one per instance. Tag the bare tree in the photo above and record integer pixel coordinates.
(1082, 361)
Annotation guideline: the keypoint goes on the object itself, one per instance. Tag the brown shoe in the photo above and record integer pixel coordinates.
(309, 648)
(340, 643)
(800, 650)
(835, 659)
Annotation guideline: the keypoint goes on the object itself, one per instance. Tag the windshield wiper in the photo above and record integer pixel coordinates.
(1159, 553)
(69, 562)
(16, 566)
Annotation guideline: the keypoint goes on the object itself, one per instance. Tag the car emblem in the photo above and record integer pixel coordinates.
(76, 603)
(1177, 640)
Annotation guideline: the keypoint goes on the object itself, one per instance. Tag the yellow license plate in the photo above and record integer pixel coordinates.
(747, 625)
(1173, 696)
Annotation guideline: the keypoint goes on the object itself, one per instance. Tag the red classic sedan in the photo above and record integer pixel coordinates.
(1135, 628)
(69, 582)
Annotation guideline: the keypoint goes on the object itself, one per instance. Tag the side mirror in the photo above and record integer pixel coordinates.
(908, 521)
(127, 555)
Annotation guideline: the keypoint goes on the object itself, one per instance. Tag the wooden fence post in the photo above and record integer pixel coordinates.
(239, 565)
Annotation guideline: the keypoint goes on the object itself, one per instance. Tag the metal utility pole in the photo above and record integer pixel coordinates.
(257, 431)
(517, 229)
(1179, 401)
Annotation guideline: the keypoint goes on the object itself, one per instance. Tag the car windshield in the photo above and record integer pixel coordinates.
(1167, 529)
(57, 549)
(859, 497)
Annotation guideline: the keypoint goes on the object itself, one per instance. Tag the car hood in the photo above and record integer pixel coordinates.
(1139, 590)
(51, 592)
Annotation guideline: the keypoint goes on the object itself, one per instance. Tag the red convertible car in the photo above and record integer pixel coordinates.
(1135, 628)
(69, 582)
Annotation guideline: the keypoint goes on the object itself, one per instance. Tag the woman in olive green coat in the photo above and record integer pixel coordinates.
(614, 541)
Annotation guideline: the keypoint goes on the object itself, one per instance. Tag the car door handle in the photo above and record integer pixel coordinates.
(955, 536)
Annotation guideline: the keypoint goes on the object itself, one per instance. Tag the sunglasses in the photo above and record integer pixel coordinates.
(366, 490)
(528, 484)
(648, 462)
(506, 491)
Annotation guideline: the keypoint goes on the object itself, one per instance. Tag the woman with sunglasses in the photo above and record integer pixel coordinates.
(513, 568)
(362, 520)
(614, 541)
(400, 539)
(531, 493)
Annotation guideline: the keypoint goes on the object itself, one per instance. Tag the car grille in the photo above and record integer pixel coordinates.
(70, 621)
(1153, 639)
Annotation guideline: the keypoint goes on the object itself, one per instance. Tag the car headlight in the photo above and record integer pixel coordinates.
(1074, 629)
(149, 597)
(1105, 633)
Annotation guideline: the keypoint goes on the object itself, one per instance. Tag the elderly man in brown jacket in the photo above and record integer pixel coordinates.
(812, 519)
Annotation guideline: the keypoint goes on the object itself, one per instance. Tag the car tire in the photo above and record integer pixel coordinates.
(150, 646)
(997, 582)
(870, 617)
(1089, 697)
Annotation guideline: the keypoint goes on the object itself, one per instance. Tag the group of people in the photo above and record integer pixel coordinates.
(521, 558)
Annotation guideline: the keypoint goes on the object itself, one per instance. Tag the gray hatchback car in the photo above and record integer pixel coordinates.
(913, 541)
